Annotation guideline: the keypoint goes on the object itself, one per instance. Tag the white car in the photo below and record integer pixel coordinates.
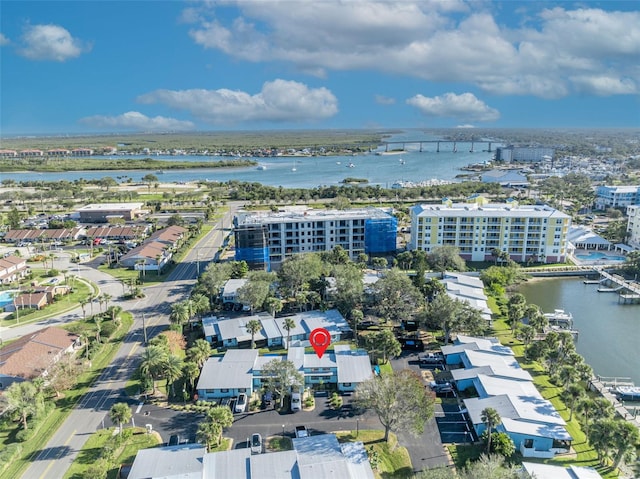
(241, 403)
(256, 443)
(296, 401)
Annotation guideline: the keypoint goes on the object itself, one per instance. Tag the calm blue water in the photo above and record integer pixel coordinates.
(6, 297)
(597, 256)
(310, 172)
(609, 331)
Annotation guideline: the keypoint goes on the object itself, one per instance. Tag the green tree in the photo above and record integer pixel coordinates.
(349, 287)
(190, 372)
(253, 294)
(14, 218)
(253, 326)
(152, 363)
(24, 399)
(149, 179)
(517, 307)
(208, 434)
(399, 399)
(298, 271)
(625, 439)
(384, 342)
(199, 352)
(446, 258)
(502, 444)
(179, 313)
(288, 324)
(274, 305)
(280, 377)
(491, 419)
(452, 316)
(120, 413)
(172, 371)
(395, 296)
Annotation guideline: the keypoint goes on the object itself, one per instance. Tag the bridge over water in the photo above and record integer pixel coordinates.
(421, 143)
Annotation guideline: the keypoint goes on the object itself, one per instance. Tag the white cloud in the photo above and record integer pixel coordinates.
(448, 41)
(384, 100)
(465, 107)
(279, 100)
(50, 42)
(4, 40)
(133, 120)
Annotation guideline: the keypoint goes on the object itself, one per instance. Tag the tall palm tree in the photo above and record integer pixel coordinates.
(253, 326)
(572, 394)
(491, 419)
(208, 433)
(199, 352)
(585, 406)
(288, 324)
(190, 372)
(200, 303)
(625, 439)
(153, 359)
(119, 414)
(179, 313)
(172, 371)
(106, 297)
(83, 303)
(114, 312)
(22, 397)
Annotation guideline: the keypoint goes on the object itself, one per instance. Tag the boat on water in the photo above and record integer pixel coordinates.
(401, 161)
(627, 393)
(338, 163)
(351, 165)
(559, 316)
(160, 172)
(261, 167)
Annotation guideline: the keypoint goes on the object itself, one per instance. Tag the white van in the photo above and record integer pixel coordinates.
(296, 401)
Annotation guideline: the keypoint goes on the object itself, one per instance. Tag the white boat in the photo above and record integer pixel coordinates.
(338, 163)
(627, 393)
(559, 315)
(261, 167)
(401, 161)
(351, 165)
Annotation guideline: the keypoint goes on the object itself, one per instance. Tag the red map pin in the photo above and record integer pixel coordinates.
(320, 339)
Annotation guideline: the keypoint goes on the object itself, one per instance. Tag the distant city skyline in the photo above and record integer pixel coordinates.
(95, 67)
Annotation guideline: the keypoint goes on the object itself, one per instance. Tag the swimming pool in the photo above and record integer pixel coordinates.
(593, 256)
(6, 297)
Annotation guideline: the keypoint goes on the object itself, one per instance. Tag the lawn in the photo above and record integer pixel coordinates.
(81, 290)
(64, 405)
(392, 460)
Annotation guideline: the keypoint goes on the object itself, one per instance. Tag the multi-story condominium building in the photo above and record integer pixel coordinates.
(633, 226)
(525, 154)
(525, 232)
(266, 239)
(617, 196)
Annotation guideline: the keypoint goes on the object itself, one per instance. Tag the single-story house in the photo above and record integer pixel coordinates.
(462, 343)
(31, 355)
(116, 233)
(312, 457)
(239, 370)
(482, 362)
(170, 236)
(35, 300)
(46, 235)
(153, 254)
(548, 471)
(231, 333)
(230, 289)
(468, 289)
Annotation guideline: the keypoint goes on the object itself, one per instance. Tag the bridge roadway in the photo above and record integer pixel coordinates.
(56, 457)
(437, 142)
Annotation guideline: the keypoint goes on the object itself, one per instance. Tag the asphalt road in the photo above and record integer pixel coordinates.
(62, 449)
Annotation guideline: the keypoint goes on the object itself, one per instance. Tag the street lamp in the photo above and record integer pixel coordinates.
(357, 427)
(283, 432)
(144, 328)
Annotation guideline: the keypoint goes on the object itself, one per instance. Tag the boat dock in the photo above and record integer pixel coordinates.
(629, 291)
(603, 386)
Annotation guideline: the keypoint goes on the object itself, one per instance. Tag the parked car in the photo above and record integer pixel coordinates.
(302, 431)
(431, 358)
(256, 443)
(296, 401)
(241, 403)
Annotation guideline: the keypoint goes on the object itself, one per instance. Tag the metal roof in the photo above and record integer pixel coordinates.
(172, 462)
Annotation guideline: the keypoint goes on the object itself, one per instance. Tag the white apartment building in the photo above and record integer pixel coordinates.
(265, 239)
(617, 196)
(633, 226)
(526, 232)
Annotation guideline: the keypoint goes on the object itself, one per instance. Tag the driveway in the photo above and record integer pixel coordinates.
(426, 450)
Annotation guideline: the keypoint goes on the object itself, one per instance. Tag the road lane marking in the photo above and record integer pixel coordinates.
(51, 462)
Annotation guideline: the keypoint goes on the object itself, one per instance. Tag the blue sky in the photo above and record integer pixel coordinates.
(118, 66)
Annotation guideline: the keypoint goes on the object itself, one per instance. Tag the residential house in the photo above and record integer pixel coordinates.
(312, 457)
(230, 289)
(116, 233)
(43, 235)
(13, 268)
(29, 356)
(240, 370)
(548, 471)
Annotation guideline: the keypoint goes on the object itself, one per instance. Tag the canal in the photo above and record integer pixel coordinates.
(609, 338)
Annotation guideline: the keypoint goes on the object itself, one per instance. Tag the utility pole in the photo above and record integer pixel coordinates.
(144, 328)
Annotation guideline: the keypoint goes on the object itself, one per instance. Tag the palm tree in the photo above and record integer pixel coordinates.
(119, 414)
(199, 352)
(83, 303)
(274, 305)
(200, 303)
(106, 297)
(22, 397)
(625, 438)
(179, 313)
(585, 406)
(567, 374)
(114, 312)
(172, 371)
(491, 419)
(253, 326)
(208, 433)
(152, 362)
(288, 324)
(190, 372)
(574, 392)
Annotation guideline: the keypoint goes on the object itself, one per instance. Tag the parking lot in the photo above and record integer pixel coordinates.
(453, 425)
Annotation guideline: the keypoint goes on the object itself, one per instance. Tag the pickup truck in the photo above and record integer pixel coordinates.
(301, 431)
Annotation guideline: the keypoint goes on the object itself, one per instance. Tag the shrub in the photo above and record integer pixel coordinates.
(8, 454)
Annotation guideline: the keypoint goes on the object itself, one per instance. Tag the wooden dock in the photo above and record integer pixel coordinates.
(629, 290)
(603, 386)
